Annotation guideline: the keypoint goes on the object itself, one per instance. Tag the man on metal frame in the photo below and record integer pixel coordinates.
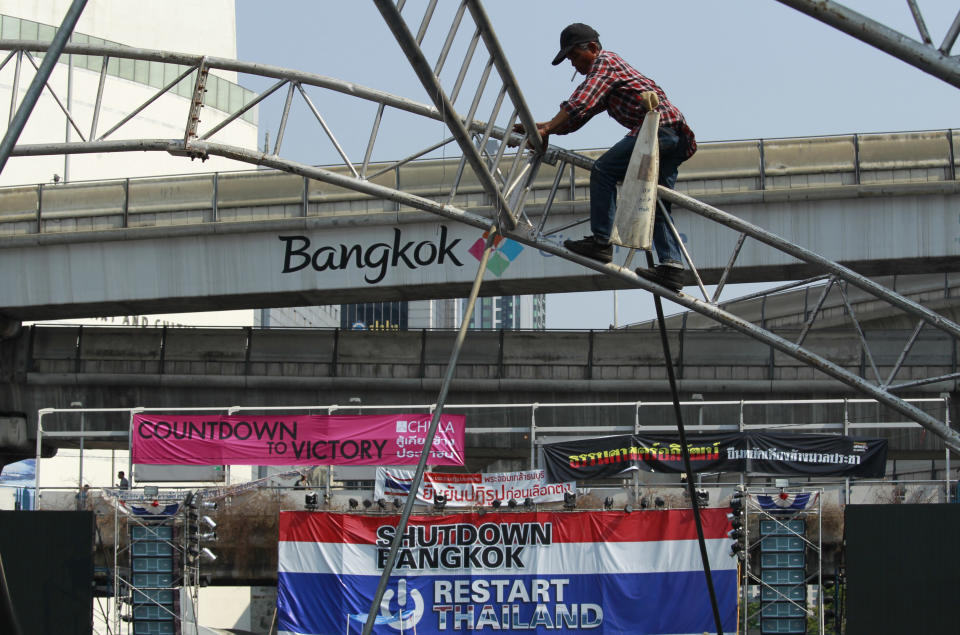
(613, 85)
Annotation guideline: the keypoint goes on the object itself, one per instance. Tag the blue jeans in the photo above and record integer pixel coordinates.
(610, 168)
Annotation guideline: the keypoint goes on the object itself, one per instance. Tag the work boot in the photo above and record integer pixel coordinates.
(664, 275)
(590, 247)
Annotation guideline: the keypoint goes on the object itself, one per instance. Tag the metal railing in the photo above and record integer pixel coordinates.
(719, 170)
(545, 422)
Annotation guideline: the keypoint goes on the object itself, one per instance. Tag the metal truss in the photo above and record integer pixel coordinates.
(812, 572)
(483, 150)
(924, 54)
(496, 184)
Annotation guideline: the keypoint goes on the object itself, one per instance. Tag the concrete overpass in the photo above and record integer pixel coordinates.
(881, 204)
(109, 367)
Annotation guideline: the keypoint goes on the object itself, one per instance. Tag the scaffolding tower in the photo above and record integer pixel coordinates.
(159, 544)
(782, 557)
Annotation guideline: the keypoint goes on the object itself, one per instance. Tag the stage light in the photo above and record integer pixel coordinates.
(569, 501)
(210, 505)
(737, 533)
(528, 503)
(367, 503)
(310, 501)
(209, 555)
(512, 503)
(381, 504)
(496, 503)
(209, 522)
(353, 503)
(396, 503)
(628, 508)
(659, 502)
(608, 503)
(736, 502)
(644, 503)
(439, 502)
(210, 535)
(703, 497)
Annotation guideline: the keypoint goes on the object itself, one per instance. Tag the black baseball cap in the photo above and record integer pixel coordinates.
(576, 33)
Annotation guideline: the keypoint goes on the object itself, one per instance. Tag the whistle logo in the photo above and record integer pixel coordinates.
(505, 252)
(404, 618)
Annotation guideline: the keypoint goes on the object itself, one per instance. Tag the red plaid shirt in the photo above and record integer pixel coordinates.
(615, 86)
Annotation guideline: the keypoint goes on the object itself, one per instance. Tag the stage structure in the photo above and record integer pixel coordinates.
(161, 539)
(777, 537)
(504, 176)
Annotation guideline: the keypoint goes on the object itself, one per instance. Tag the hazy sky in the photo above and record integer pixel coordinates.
(738, 69)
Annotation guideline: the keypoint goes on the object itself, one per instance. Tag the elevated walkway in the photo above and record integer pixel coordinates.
(880, 204)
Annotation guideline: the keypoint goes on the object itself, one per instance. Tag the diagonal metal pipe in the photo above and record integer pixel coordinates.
(926, 58)
(63, 107)
(428, 442)
(951, 37)
(801, 253)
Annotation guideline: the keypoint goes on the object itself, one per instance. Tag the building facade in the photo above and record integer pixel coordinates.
(526, 312)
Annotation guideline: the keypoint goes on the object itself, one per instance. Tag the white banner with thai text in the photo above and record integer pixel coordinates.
(472, 490)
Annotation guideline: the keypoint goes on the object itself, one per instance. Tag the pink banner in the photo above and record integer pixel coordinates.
(394, 439)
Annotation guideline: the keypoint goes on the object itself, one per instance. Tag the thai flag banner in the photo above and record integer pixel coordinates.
(563, 572)
(786, 502)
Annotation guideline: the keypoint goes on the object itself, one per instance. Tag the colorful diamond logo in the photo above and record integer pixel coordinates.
(505, 252)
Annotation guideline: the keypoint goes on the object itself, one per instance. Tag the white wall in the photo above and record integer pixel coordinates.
(186, 26)
(175, 25)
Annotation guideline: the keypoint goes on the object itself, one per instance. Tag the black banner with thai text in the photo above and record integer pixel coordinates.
(754, 452)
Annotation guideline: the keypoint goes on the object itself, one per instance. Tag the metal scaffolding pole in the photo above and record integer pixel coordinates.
(428, 442)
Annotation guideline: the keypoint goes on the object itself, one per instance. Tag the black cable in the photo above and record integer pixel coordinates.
(102, 548)
(685, 451)
(8, 614)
